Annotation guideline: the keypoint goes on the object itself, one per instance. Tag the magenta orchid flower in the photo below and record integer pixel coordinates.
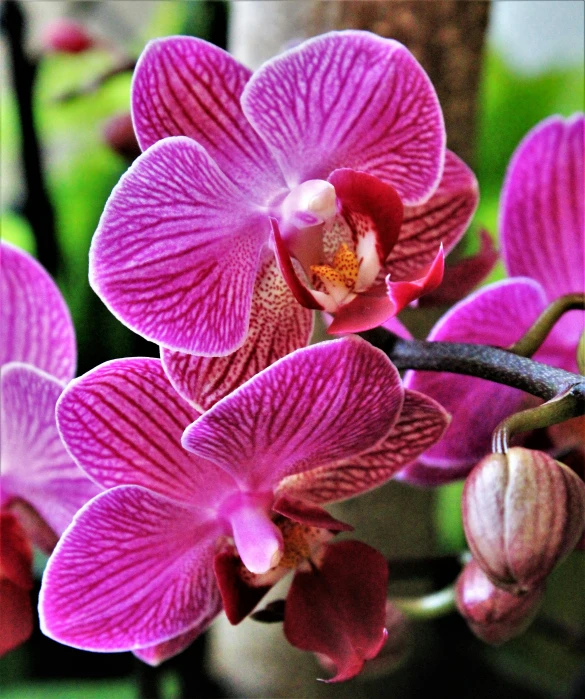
(41, 487)
(319, 182)
(145, 565)
(542, 232)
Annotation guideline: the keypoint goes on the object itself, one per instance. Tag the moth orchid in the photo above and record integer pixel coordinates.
(222, 509)
(319, 182)
(542, 231)
(41, 486)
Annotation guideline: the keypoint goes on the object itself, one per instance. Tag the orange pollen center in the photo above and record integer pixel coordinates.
(299, 541)
(343, 272)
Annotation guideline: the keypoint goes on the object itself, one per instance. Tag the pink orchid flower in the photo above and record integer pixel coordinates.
(145, 565)
(542, 233)
(41, 487)
(319, 182)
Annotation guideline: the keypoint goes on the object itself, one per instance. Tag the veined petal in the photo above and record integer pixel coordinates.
(157, 654)
(542, 209)
(278, 326)
(350, 99)
(444, 218)
(187, 87)
(421, 424)
(36, 467)
(177, 249)
(496, 315)
(36, 323)
(318, 405)
(133, 570)
(339, 609)
(123, 422)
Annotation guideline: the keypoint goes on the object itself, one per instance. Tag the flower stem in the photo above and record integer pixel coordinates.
(432, 606)
(537, 334)
(485, 362)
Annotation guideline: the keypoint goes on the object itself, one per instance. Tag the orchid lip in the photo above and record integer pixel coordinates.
(258, 540)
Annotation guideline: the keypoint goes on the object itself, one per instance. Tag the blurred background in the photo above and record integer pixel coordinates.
(499, 68)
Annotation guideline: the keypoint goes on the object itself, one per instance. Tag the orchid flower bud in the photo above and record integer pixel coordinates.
(494, 615)
(66, 36)
(522, 512)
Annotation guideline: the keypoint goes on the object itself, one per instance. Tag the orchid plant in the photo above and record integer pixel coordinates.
(320, 183)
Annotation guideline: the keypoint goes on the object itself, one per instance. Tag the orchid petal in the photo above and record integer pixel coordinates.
(16, 561)
(240, 589)
(278, 326)
(307, 513)
(350, 99)
(421, 424)
(36, 324)
(36, 467)
(302, 294)
(123, 422)
(187, 87)
(157, 654)
(395, 326)
(133, 570)
(444, 218)
(477, 405)
(366, 311)
(320, 404)
(542, 210)
(339, 609)
(404, 292)
(431, 476)
(177, 249)
(17, 615)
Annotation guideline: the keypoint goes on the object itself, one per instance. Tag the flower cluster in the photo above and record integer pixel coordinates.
(319, 183)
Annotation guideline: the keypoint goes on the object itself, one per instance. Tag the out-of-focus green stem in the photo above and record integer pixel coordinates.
(537, 334)
(432, 606)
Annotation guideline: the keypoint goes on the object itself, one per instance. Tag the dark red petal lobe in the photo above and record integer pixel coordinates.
(463, 276)
(16, 560)
(15, 585)
(368, 204)
(405, 292)
(339, 609)
(421, 424)
(17, 617)
(299, 290)
(240, 590)
(305, 513)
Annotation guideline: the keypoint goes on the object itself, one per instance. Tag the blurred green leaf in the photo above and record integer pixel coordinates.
(16, 230)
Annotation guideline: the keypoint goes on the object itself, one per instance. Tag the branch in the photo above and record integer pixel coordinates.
(37, 207)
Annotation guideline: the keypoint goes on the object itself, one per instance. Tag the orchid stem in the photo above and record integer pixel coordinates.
(485, 362)
(559, 409)
(537, 334)
(432, 606)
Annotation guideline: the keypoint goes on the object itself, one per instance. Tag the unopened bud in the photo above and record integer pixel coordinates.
(493, 614)
(66, 36)
(522, 512)
(119, 134)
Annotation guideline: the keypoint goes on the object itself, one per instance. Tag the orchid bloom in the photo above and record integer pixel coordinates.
(145, 565)
(41, 487)
(319, 182)
(542, 233)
